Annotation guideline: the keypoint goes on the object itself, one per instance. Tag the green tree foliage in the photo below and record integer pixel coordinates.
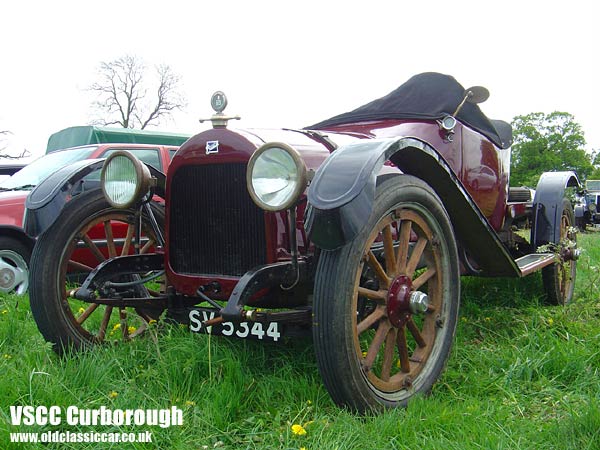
(595, 175)
(547, 142)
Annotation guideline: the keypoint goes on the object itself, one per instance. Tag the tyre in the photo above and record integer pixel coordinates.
(559, 278)
(14, 266)
(87, 232)
(581, 223)
(386, 304)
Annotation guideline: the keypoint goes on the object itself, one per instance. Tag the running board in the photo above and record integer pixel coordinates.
(534, 262)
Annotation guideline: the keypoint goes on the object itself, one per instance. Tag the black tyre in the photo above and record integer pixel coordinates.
(14, 266)
(581, 223)
(88, 229)
(386, 304)
(559, 278)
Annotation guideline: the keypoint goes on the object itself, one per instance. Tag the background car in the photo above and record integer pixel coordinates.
(15, 245)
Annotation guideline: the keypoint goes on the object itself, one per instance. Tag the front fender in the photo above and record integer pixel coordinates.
(342, 193)
(47, 199)
(547, 206)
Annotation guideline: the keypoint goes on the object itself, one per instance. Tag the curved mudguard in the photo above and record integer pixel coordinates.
(547, 206)
(342, 193)
(47, 199)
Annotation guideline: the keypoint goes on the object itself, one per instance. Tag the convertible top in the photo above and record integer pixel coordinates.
(428, 95)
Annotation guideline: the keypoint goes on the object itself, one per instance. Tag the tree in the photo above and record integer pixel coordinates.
(122, 93)
(4, 155)
(595, 175)
(545, 143)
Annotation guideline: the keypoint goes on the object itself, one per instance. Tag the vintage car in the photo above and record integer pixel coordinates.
(15, 244)
(355, 230)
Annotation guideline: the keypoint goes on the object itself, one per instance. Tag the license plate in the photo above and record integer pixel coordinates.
(270, 331)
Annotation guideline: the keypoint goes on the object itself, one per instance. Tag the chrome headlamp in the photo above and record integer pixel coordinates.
(124, 179)
(276, 176)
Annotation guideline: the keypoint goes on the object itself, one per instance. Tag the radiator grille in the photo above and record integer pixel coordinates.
(215, 227)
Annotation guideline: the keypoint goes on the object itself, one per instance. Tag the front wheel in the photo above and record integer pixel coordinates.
(386, 304)
(14, 266)
(87, 232)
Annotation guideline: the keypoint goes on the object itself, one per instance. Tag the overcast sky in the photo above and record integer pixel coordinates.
(290, 64)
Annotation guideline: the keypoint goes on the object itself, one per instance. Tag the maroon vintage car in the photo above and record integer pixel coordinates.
(355, 230)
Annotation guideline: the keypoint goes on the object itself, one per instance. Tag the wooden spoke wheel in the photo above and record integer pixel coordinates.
(559, 278)
(88, 232)
(386, 303)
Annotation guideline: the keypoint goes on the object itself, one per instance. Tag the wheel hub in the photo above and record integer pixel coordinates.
(7, 279)
(403, 300)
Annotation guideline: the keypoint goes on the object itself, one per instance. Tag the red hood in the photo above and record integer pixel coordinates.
(12, 206)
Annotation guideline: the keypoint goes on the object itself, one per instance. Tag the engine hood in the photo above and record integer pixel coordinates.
(224, 145)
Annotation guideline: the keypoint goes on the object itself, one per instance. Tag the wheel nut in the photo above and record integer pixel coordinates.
(419, 302)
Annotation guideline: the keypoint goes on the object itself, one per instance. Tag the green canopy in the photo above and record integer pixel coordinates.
(85, 135)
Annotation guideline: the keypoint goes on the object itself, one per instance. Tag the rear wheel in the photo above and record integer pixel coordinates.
(386, 304)
(86, 233)
(559, 278)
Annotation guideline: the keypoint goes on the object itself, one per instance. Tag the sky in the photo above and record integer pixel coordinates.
(291, 64)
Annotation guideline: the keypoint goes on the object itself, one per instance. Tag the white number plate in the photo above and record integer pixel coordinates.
(252, 330)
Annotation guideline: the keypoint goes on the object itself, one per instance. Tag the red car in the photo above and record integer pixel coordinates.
(355, 230)
(15, 245)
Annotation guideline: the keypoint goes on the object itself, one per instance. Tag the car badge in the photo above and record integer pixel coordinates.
(212, 147)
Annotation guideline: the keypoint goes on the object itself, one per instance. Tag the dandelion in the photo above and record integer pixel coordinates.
(298, 430)
(117, 326)
(113, 394)
(81, 310)
(550, 321)
(131, 329)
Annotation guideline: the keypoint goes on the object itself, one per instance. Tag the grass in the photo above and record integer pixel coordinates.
(521, 376)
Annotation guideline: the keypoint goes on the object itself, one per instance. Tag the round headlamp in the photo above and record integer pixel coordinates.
(276, 176)
(124, 179)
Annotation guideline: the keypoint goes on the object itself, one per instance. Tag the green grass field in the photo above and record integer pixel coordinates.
(521, 376)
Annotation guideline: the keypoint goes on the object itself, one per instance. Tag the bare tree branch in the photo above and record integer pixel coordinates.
(122, 93)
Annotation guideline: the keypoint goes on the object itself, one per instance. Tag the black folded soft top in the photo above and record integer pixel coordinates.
(427, 95)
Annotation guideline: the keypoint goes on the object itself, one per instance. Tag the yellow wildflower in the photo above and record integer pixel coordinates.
(550, 321)
(131, 329)
(113, 394)
(117, 326)
(5, 311)
(309, 402)
(298, 430)
(189, 403)
(364, 354)
(152, 322)
(81, 310)
(487, 319)
(7, 356)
